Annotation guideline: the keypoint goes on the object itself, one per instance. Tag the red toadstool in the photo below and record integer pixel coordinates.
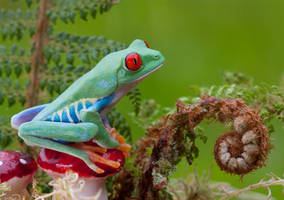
(57, 164)
(16, 171)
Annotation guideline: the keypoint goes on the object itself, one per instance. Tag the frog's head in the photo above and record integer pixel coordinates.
(132, 65)
(137, 62)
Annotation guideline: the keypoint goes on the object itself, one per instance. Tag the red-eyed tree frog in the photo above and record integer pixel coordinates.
(77, 115)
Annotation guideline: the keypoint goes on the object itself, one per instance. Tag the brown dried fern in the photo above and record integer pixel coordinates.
(239, 151)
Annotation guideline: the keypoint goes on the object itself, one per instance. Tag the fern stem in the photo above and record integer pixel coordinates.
(37, 58)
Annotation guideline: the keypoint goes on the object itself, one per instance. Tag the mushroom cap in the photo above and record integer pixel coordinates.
(56, 162)
(16, 169)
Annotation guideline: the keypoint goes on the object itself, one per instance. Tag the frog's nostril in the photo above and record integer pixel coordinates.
(156, 57)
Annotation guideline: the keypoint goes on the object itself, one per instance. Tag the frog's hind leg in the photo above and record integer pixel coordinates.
(62, 148)
(69, 132)
(39, 133)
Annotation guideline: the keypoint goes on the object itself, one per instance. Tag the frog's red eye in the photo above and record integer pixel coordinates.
(133, 61)
(146, 44)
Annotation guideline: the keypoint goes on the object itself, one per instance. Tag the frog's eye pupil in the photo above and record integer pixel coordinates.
(147, 45)
(133, 61)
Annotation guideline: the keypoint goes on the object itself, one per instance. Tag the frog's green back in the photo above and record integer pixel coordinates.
(97, 83)
(106, 77)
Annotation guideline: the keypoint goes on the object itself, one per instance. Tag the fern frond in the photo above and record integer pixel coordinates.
(66, 10)
(268, 99)
(135, 98)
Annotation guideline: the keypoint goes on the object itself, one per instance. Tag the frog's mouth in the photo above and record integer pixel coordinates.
(147, 74)
(124, 89)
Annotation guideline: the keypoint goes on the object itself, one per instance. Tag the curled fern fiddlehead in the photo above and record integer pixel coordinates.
(245, 148)
(241, 150)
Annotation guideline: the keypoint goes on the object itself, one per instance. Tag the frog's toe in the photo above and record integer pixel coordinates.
(96, 158)
(95, 168)
(125, 148)
(94, 154)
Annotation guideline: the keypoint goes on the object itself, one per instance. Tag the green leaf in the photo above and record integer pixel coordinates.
(84, 58)
(69, 68)
(102, 9)
(63, 16)
(22, 99)
(93, 11)
(2, 97)
(69, 58)
(18, 69)
(19, 13)
(28, 67)
(79, 70)
(53, 16)
(189, 158)
(135, 97)
(21, 51)
(83, 39)
(42, 84)
(57, 86)
(63, 86)
(94, 54)
(92, 40)
(203, 138)
(8, 68)
(60, 67)
(28, 83)
(101, 39)
(13, 30)
(57, 57)
(72, 15)
(32, 30)
(74, 38)
(28, 15)
(105, 51)
(2, 49)
(5, 31)
(47, 53)
(83, 13)
(19, 32)
(2, 13)
(17, 85)
(5, 140)
(29, 2)
(11, 100)
(14, 49)
(50, 87)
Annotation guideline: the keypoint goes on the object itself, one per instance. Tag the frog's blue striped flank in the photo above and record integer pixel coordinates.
(71, 113)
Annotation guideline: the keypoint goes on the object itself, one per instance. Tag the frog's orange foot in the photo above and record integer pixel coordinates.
(84, 147)
(96, 158)
(125, 148)
(114, 134)
(94, 154)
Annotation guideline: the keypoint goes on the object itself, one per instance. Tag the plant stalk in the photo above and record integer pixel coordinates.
(37, 58)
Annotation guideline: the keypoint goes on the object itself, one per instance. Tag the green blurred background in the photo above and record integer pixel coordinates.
(199, 40)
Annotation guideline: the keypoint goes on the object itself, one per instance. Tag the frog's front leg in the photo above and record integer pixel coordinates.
(106, 137)
(41, 133)
(103, 138)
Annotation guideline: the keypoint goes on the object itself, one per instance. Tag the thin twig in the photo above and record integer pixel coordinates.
(262, 184)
